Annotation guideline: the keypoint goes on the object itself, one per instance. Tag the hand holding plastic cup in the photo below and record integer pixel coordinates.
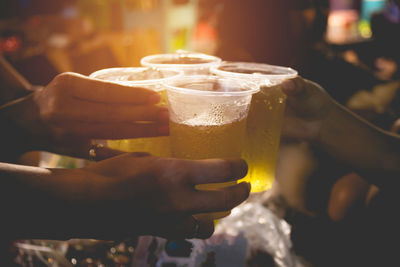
(265, 119)
(147, 78)
(208, 119)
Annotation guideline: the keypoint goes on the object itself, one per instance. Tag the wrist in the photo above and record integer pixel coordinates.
(335, 128)
(15, 137)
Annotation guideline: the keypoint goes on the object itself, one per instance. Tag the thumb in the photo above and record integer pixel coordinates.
(99, 152)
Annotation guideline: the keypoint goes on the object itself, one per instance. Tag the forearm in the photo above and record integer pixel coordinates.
(15, 138)
(25, 208)
(13, 84)
(61, 204)
(34, 205)
(371, 151)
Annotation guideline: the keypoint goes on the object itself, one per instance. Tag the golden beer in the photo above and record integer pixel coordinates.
(157, 146)
(265, 118)
(264, 125)
(207, 141)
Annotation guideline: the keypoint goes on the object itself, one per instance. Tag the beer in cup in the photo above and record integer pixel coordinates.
(208, 119)
(265, 119)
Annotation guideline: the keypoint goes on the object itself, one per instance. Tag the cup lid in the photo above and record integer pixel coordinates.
(210, 85)
(136, 76)
(181, 60)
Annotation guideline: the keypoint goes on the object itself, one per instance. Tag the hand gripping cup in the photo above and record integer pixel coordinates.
(265, 119)
(148, 78)
(189, 63)
(208, 119)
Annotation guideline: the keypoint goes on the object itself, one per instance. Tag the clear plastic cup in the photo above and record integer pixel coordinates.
(265, 119)
(189, 63)
(208, 119)
(148, 78)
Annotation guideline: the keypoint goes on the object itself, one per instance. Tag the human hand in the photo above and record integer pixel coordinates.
(312, 184)
(351, 193)
(71, 110)
(134, 194)
(307, 107)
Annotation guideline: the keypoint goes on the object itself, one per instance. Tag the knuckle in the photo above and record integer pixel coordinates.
(172, 204)
(170, 175)
(62, 83)
(172, 168)
(172, 200)
(64, 77)
(59, 81)
(53, 110)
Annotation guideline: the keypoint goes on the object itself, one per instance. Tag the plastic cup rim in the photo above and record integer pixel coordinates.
(215, 61)
(179, 74)
(291, 73)
(253, 87)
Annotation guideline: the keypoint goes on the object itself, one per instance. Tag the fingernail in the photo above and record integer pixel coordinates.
(154, 98)
(163, 130)
(163, 115)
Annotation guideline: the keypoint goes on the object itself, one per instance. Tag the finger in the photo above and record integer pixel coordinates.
(216, 170)
(85, 149)
(396, 126)
(196, 226)
(205, 226)
(293, 86)
(300, 89)
(121, 130)
(84, 87)
(308, 99)
(297, 93)
(105, 112)
(106, 153)
(223, 199)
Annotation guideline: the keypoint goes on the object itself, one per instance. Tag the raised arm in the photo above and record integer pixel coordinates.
(313, 115)
(65, 115)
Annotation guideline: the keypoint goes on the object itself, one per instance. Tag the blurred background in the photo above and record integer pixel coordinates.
(87, 35)
(350, 47)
